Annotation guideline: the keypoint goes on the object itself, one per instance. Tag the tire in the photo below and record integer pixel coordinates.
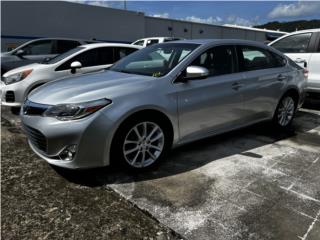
(15, 110)
(285, 112)
(140, 143)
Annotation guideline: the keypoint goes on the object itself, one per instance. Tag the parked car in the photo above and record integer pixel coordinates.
(37, 51)
(160, 97)
(303, 47)
(144, 42)
(83, 59)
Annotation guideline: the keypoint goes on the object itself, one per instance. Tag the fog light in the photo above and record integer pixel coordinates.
(68, 153)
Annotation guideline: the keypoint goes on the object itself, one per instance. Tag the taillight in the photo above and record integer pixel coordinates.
(305, 73)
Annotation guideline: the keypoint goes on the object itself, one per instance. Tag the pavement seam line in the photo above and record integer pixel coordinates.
(302, 195)
(310, 227)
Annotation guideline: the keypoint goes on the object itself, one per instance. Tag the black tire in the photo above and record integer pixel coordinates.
(117, 148)
(278, 122)
(15, 110)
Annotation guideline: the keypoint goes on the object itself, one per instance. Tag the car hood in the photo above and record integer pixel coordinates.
(89, 87)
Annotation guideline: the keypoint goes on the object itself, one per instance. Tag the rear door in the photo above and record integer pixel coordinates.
(314, 67)
(213, 104)
(297, 47)
(265, 78)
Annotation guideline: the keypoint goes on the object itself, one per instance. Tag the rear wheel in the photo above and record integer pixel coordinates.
(285, 112)
(141, 143)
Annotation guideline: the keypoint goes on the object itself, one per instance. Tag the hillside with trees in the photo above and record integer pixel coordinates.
(291, 26)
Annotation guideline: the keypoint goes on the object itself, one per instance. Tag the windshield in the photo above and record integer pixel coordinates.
(62, 56)
(155, 61)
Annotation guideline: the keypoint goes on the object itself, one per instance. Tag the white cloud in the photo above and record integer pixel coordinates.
(209, 20)
(298, 9)
(160, 15)
(241, 21)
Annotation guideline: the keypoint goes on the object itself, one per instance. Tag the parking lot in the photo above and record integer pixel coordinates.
(254, 183)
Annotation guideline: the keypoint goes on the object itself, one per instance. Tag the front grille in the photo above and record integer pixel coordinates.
(31, 108)
(10, 96)
(36, 138)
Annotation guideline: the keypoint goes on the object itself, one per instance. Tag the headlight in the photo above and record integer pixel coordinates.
(16, 77)
(74, 111)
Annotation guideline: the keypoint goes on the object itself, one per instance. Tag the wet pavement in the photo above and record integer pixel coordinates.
(255, 183)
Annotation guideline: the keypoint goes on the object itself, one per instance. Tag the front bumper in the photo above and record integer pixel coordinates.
(91, 135)
(16, 93)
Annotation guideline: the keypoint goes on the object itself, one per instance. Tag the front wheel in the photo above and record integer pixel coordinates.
(285, 112)
(140, 144)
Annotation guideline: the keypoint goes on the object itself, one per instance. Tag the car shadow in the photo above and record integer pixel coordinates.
(312, 103)
(197, 154)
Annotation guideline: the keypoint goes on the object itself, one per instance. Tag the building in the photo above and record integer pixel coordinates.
(22, 21)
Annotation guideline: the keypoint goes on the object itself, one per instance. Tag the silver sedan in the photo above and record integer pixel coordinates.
(158, 98)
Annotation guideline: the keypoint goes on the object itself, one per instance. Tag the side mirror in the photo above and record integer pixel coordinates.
(194, 72)
(74, 66)
(20, 53)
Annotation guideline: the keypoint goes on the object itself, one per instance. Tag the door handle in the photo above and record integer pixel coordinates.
(299, 60)
(281, 77)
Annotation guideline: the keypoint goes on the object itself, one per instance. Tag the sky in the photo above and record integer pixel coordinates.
(244, 13)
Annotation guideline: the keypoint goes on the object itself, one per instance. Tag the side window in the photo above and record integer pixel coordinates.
(139, 43)
(278, 61)
(87, 59)
(293, 44)
(121, 52)
(105, 56)
(218, 60)
(253, 58)
(151, 42)
(65, 45)
(42, 47)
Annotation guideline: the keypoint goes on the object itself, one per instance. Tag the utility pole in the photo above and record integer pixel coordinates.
(125, 4)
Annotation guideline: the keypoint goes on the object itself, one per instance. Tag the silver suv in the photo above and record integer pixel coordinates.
(161, 97)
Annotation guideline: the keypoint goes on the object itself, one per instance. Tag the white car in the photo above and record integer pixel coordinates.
(19, 82)
(144, 42)
(303, 47)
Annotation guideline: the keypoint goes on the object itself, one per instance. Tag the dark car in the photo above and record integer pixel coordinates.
(36, 51)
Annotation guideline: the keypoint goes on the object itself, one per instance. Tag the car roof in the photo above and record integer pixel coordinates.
(305, 30)
(58, 38)
(95, 45)
(219, 41)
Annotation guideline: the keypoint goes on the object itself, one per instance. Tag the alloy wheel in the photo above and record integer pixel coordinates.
(143, 144)
(286, 111)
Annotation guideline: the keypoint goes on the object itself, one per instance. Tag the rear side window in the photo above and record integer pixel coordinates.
(297, 43)
(65, 45)
(218, 60)
(93, 57)
(254, 58)
(120, 52)
(42, 47)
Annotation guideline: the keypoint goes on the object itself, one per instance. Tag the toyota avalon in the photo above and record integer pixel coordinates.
(161, 97)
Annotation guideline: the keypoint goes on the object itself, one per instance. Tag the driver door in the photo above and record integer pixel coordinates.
(213, 104)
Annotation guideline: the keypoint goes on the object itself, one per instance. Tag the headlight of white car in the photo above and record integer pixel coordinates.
(16, 77)
(74, 111)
